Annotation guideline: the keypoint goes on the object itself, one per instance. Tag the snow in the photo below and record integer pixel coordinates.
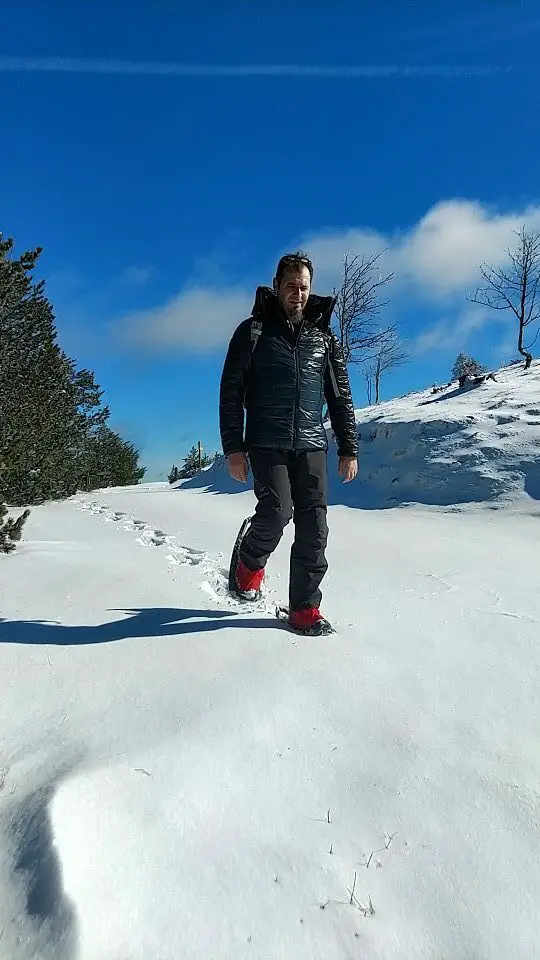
(182, 777)
(457, 446)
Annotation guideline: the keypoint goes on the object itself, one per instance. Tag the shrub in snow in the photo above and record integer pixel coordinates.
(10, 529)
(466, 368)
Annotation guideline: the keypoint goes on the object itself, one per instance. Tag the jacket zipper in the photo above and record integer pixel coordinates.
(297, 390)
(297, 396)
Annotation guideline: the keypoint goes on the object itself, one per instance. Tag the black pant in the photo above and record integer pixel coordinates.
(290, 484)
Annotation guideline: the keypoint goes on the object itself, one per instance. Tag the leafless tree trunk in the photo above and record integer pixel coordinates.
(390, 353)
(358, 306)
(377, 379)
(515, 287)
(368, 377)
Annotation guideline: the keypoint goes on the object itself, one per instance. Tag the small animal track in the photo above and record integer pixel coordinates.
(215, 582)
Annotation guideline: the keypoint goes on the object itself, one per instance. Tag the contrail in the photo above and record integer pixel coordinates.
(172, 69)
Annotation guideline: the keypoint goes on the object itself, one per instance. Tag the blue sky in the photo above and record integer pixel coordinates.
(162, 198)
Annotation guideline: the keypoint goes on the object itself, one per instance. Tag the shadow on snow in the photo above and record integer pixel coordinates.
(151, 622)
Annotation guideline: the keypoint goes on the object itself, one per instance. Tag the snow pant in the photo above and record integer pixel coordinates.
(290, 484)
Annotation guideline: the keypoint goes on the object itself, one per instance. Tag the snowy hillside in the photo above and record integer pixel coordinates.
(181, 777)
(457, 446)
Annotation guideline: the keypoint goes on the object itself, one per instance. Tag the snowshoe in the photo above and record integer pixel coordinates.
(314, 626)
(253, 588)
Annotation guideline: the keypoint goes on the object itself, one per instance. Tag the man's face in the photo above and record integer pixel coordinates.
(293, 293)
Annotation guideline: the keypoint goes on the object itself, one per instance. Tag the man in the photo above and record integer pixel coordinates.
(282, 365)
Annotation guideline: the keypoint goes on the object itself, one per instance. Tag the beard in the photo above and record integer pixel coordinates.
(295, 315)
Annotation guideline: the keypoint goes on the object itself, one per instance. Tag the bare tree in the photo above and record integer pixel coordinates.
(368, 377)
(358, 306)
(516, 287)
(389, 354)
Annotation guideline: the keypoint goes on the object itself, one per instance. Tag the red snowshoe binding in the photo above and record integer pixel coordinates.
(308, 622)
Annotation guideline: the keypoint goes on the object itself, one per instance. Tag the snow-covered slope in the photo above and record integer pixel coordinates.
(457, 446)
(182, 778)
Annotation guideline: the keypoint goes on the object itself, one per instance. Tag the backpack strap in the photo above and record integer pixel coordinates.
(256, 330)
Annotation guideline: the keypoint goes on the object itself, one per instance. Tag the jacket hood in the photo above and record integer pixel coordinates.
(318, 310)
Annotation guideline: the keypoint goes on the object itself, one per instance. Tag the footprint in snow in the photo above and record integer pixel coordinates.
(186, 555)
(216, 583)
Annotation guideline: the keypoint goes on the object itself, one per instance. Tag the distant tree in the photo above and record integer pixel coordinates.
(389, 353)
(466, 368)
(10, 529)
(190, 465)
(358, 306)
(516, 286)
(174, 474)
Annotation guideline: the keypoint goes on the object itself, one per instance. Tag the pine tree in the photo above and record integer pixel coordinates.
(10, 529)
(110, 461)
(174, 474)
(466, 367)
(190, 465)
(50, 412)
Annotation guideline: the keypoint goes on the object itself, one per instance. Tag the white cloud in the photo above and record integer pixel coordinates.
(443, 252)
(327, 251)
(196, 319)
(437, 259)
(439, 256)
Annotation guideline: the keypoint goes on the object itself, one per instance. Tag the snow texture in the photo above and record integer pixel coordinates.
(181, 777)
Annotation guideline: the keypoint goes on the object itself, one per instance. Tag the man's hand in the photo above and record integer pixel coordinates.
(238, 466)
(348, 468)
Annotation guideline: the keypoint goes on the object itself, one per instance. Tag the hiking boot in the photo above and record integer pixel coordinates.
(310, 622)
(248, 582)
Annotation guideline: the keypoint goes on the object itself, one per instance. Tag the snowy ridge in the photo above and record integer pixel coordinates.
(475, 445)
(480, 443)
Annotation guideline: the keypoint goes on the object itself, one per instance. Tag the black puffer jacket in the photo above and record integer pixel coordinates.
(283, 380)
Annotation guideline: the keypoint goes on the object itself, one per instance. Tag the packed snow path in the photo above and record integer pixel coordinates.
(180, 778)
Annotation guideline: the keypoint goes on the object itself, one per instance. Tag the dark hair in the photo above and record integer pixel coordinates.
(293, 262)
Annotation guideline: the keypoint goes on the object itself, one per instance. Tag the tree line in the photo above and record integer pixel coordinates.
(195, 461)
(54, 435)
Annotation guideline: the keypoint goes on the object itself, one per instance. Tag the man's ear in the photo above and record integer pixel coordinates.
(275, 285)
